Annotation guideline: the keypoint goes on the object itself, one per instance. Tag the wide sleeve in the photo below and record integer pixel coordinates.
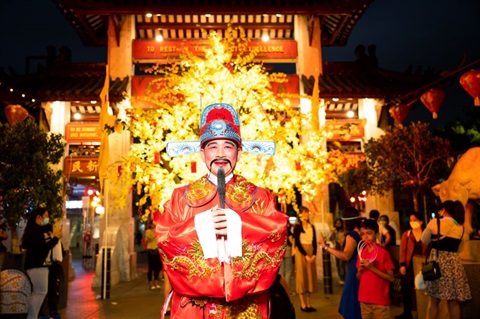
(264, 232)
(181, 252)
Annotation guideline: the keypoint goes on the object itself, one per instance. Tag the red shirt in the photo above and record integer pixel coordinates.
(373, 289)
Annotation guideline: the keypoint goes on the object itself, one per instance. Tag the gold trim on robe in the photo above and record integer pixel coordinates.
(239, 194)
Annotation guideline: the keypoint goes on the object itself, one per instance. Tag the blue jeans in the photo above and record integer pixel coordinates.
(39, 279)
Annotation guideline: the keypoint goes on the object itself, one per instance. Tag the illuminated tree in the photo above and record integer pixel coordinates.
(226, 72)
(27, 177)
(406, 155)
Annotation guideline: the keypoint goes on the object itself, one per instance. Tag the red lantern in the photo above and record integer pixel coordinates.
(298, 166)
(193, 167)
(399, 112)
(470, 81)
(433, 99)
(15, 113)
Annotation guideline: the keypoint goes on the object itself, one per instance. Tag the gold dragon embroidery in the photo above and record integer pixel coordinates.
(193, 262)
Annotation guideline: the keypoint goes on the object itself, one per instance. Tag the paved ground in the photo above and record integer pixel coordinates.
(133, 300)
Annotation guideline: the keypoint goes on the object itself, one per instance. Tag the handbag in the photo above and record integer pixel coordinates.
(431, 269)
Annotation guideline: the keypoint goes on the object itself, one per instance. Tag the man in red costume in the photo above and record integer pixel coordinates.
(221, 261)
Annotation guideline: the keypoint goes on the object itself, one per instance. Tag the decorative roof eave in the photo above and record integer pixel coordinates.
(90, 19)
(354, 80)
(299, 7)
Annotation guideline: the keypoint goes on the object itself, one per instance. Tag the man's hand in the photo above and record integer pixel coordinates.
(219, 221)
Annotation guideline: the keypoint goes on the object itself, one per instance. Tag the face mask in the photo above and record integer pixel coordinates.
(45, 221)
(415, 225)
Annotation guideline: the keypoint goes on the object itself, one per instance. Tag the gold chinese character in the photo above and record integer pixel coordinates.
(76, 167)
(92, 166)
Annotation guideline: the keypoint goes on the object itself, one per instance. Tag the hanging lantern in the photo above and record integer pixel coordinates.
(193, 167)
(433, 99)
(15, 113)
(156, 158)
(399, 112)
(470, 81)
(298, 166)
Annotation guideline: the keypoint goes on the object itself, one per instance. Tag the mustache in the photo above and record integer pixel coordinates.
(220, 160)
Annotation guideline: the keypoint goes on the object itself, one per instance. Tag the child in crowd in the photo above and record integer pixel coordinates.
(375, 273)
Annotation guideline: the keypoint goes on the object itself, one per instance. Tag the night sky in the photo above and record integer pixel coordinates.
(429, 33)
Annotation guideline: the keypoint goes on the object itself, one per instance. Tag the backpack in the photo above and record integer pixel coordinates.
(280, 305)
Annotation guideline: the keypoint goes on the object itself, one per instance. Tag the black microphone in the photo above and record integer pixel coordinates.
(221, 186)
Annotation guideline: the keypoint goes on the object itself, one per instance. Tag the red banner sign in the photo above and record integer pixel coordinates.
(82, 132)
(153, 50)
(146, 90)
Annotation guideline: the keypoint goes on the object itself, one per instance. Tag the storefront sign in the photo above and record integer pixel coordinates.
(153, 50)
(346, 130)
(82, 132)
(81, 166)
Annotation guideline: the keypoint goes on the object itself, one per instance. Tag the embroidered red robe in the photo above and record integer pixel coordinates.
(207, 288)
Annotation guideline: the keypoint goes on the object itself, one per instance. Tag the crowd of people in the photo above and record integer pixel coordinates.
(361, 248)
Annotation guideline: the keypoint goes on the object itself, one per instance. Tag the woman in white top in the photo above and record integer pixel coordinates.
(453, 283)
